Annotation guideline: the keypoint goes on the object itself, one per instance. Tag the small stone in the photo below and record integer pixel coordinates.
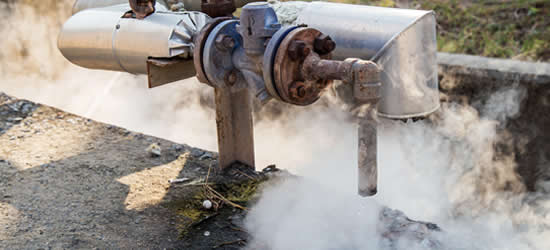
(206, 155)
(207, 204)
(155, 150)
(197, 152)
(177, 147)
(206, 233)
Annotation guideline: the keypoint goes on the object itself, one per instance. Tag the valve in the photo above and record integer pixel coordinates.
(256, 57)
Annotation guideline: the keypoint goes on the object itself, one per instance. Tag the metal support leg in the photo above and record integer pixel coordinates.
(235, 127)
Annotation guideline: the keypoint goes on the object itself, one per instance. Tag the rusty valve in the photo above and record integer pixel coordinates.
(303, 69)
(255, 55)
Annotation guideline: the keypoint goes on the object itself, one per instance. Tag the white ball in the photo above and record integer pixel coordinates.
(207, 204)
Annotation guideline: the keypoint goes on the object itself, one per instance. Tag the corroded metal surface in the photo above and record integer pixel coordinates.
(289, 80)
(402, 41)
(367, 91)
(367, 153)
(234, 126)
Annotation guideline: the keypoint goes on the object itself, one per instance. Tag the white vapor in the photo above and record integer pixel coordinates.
(444, 171)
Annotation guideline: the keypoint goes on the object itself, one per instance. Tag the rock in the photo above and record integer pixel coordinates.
(155, 150)
(178, 147)
(395, 227)
(195, 152)
(206, 155)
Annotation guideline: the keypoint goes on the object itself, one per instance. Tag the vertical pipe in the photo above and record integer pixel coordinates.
(235, 127)
(367, 155)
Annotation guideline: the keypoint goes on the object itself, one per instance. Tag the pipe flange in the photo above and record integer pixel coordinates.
(289, 83)
(200, 41)
(269, 59)
(217, 55)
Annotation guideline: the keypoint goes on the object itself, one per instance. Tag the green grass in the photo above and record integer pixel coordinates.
(506, 29)
(518, 29)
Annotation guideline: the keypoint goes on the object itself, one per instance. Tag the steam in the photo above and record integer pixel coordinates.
(444, 171)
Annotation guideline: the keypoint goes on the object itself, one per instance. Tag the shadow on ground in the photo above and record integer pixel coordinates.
(103, 190)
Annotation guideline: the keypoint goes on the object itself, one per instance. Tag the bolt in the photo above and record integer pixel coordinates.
(301, 91)
(298, 50)
(324, 44)
(297, 90)
(225, 42)
(230, 78)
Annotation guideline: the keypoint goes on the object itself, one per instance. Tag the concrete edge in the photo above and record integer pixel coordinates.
(493, 68)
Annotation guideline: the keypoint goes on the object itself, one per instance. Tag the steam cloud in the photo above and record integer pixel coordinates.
(445, 171)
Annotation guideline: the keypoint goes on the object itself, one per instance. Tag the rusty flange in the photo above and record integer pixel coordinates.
(200, 40)
(291, 85)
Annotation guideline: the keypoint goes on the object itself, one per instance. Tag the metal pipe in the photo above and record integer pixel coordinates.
(402, 41)
(101, 38)
(367, 153)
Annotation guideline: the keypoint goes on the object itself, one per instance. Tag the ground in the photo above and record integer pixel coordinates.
(70, 182)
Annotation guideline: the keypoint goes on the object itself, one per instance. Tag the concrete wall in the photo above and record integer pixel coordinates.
(473, 79)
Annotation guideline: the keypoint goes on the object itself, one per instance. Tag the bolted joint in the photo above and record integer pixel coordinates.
(323, 44)
(297, 90)
(225, 42)
(298, 50)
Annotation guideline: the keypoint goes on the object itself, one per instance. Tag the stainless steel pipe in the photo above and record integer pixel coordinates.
(101, 38)
(402, 41)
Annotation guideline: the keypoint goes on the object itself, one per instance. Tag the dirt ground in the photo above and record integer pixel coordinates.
(69, 182)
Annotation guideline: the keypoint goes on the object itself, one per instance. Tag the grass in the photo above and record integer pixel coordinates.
(518, 29)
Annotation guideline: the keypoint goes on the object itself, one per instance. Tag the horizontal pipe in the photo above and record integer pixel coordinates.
(101, 38)
(401, 41)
